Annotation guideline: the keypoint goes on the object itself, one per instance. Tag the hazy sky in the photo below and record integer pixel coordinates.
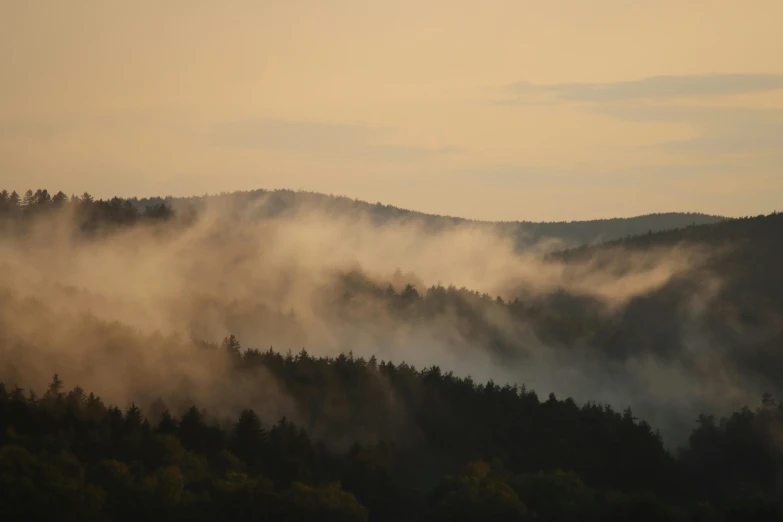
(545, 110)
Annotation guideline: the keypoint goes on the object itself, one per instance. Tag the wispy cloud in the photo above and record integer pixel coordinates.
(654, 88)
(721, 130)
(518, 176)
(323, 139)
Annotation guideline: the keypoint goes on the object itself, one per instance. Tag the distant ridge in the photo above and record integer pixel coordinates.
(278, 203)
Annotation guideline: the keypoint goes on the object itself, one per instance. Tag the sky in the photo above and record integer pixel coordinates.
(497, 110)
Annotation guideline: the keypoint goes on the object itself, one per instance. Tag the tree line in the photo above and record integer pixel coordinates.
(280, 202)
(90, 214)
(446, 448)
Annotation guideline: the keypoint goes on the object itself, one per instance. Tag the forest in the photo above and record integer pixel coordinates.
(456, 450)
(638, 383)
(16, 209)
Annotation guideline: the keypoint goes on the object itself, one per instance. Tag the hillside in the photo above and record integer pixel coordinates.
(451, 450)
(745, 254)
(276, 203)
(680, 321)
(377, 369)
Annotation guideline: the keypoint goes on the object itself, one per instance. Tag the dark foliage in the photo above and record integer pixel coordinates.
(91, 216)
(484, 452)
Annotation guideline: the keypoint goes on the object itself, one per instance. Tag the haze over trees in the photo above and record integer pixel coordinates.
(267, 204)
(90, 214)
(632, 379)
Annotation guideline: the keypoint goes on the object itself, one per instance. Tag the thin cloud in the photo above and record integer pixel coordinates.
(656, 87)
(648, 176)
(723, 130)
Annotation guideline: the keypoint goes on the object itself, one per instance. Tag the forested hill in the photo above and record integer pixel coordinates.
(471, 452)
(367, 422)
(266, 204)
(746, 253)
(722, 319)
(727, 231)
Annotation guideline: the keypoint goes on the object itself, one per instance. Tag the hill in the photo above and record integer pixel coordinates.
(264, 204)
(678, 322)
(380, 400)
(453, 450)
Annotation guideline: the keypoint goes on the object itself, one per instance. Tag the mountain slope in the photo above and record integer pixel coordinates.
(276, 203)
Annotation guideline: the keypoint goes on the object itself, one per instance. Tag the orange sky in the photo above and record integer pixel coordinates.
(564, 109)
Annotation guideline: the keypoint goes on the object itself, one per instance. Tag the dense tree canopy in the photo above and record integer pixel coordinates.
(91, 215)
(486, 453)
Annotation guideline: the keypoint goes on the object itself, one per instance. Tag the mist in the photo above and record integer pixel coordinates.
(123, 312)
